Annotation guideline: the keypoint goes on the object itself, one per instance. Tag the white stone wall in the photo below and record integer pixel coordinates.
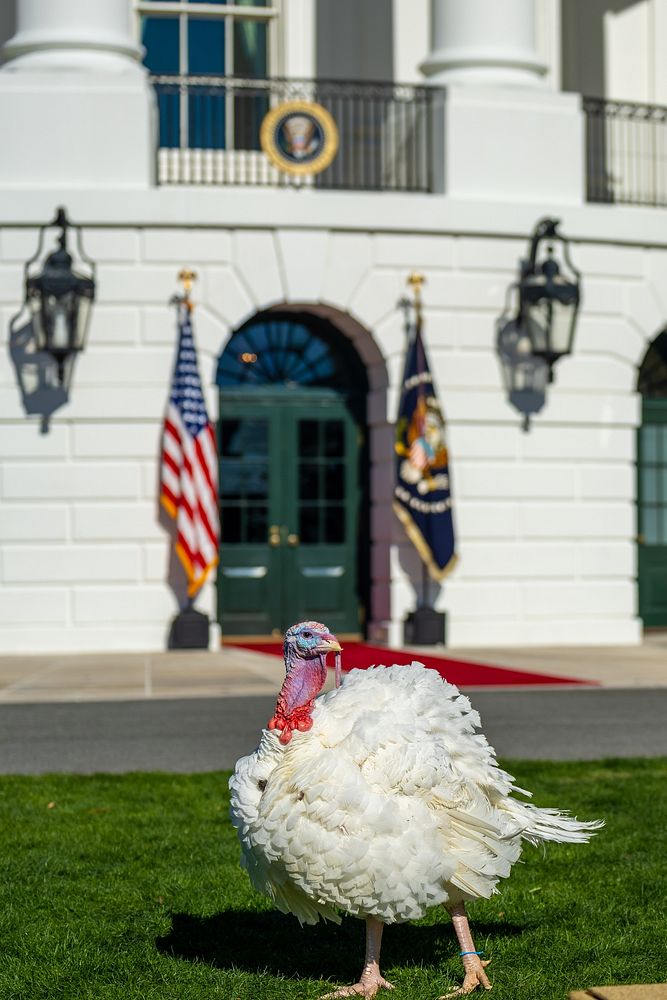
(545, 520)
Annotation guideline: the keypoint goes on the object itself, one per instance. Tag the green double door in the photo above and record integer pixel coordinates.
(289, 506)
(652, 514)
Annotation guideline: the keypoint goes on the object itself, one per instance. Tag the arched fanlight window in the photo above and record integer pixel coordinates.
(291, 349)
(652, 383)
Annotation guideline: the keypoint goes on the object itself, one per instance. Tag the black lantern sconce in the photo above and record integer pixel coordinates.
(59, 299)
(533, 336)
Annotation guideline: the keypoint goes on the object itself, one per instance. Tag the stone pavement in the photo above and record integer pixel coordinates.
(198, 711)
(205, 734)
(233, 672)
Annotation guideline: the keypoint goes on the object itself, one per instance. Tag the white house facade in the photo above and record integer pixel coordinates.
(142, 120)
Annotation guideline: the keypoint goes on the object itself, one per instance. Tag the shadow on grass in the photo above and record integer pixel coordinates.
(272, 942)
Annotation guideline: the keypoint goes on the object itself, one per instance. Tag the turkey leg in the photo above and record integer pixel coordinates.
(472, 963)
(370, 980)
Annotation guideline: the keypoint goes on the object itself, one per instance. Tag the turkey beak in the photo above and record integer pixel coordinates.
(329, 644)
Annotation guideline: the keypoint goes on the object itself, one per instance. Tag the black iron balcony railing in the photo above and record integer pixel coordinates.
(626, 152)
(209, 132)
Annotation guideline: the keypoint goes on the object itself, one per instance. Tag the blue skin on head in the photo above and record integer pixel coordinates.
(306, 647)
(302, 640)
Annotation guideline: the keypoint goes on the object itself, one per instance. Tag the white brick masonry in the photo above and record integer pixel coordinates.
(22, 442)
(17, 610)
(111, 246)
(71, 563)
(141, 366)
(256, 257)
(72, 482)
(610, 559)
(302, 256)
(18, 245)
(177, 245)
(109, 605)
(349, 257)
(105, 522)
(611, 261)
(605, 297)
(376, 296)
(545, 520)
(38, 523)
(225, 295)
(115, 440)
(116, 326)
(412, 251)
(509, 559)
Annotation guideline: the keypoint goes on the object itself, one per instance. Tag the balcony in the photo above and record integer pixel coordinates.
(209, 132)
(626, 152)
(209, 135)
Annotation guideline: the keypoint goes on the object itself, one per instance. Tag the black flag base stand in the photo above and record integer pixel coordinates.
(425, 627)
(189, 629)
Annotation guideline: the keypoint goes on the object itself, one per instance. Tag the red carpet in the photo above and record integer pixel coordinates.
(459, 672)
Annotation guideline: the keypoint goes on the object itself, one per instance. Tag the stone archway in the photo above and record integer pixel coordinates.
(359, 363)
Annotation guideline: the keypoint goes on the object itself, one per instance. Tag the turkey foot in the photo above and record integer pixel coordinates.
(367, 987)
(370, 980)
(473, 978)
(472, 963)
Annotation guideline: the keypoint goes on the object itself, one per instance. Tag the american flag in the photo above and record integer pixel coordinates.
(189, 474)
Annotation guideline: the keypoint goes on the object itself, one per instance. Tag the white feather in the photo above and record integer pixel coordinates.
(390, 804)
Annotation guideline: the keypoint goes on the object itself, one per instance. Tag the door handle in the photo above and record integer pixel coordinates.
(274, 536)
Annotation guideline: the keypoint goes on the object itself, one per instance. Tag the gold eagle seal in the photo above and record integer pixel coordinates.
(299, 137)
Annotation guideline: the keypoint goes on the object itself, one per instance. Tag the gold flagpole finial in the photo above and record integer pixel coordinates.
(187, 276)
(416, 280)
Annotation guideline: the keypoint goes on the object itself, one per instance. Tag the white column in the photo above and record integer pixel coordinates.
(298, 38)
(76, 108)
(72, 35)
(486, 42)
(411, 22)
(499, 133)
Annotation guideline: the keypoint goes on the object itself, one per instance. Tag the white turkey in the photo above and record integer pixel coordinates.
(378, 799)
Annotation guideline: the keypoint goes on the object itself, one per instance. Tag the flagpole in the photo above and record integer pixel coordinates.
(190, 628)
(422, 490)
(416, 280)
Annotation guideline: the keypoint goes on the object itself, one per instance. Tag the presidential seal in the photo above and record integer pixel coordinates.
(299, 137)
(420, 441)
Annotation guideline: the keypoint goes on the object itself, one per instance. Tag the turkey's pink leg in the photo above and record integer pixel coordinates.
(473, 965)
(370, 980)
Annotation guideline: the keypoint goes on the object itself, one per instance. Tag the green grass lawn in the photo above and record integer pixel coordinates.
(129, 887)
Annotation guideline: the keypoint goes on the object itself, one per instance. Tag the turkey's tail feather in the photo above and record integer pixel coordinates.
(539, 824)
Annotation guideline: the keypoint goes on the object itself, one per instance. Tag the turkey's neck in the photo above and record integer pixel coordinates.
(304, 681)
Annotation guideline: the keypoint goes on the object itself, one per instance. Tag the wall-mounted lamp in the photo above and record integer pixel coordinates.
(525, 376)
(540, 329)
(59, 299)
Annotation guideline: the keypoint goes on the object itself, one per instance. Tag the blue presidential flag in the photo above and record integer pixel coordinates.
(422, 497)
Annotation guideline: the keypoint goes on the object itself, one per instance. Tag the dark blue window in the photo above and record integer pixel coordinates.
(159, 36)
(206, 109)
(206, 47)
(207, 106)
